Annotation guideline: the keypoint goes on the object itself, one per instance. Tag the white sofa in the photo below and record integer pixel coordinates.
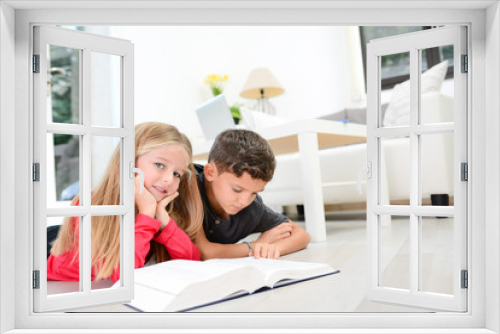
(340, 165)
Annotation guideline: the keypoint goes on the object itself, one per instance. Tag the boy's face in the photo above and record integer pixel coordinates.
(231, 193)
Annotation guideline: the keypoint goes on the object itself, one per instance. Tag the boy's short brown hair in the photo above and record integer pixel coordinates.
(238, 151)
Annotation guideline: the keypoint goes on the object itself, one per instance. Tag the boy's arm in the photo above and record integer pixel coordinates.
(288, 237)
(212, 250)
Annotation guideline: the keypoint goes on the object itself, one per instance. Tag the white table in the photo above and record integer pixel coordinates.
(307, 137)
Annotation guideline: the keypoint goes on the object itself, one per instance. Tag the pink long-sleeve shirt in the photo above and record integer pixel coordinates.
(175, 240)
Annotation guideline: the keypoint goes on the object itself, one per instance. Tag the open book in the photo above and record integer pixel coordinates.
(181, 285)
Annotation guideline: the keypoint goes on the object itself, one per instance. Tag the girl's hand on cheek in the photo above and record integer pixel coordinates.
(146, 203)
(161, 211)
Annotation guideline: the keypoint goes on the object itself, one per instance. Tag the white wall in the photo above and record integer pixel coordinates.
(7, 165)
(492, 185)
(318, 66)
(311, 63)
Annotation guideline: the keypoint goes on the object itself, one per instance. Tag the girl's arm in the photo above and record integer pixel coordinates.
(177, 242)
(65, 267)
(145, 230)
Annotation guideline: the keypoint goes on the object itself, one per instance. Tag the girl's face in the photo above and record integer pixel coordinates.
(163, 169)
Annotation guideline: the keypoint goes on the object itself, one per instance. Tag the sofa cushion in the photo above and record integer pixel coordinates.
(398, 112)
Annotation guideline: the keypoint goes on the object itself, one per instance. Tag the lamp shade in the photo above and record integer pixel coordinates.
(261, 83)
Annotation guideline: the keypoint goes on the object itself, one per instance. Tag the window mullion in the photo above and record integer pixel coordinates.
(85, 256)
(127, 263)
(85, 195)
(414, 163)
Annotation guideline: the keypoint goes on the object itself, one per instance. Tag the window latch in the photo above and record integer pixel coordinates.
(368, 171)
(134, 170)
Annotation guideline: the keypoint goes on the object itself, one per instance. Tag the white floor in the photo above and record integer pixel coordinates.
(345, 249)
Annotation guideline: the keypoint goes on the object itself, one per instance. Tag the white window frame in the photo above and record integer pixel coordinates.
(483, 292)
(86, 44)
(414, 43)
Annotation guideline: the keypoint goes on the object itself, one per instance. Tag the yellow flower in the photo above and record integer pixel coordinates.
(216, 83)
(214, 79)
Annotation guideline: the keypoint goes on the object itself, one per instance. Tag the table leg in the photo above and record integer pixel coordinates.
(314, 209)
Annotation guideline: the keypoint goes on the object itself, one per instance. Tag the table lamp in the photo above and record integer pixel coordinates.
(261, 85)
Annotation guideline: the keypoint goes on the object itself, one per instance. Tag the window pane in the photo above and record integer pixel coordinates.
(424, 64)
(436, 255)
(105, 89)
(398, 110)
(394, 252)
(105, 232)
(395, 176)
(63, 169)
(395, 65)
(103, 150)
(435, 107)
(63, 86)
(436, 152)
(57, 285)
(370, 33)
(397, 73)
(447, 53)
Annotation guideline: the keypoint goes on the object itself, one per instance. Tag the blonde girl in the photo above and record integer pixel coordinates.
(169, 212)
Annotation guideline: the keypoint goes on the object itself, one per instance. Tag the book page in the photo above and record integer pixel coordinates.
(174, 276)
(278, 270)
(181, 284)
(275, 270)
(149, 300)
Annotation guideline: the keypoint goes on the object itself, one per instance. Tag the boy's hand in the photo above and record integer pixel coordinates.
(161, 211)
(282, 231)
(265, 250)
(146, 202)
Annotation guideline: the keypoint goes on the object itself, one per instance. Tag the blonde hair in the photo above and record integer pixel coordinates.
(186, 209)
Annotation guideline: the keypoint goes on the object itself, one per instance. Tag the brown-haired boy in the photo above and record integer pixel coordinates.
(240, 164)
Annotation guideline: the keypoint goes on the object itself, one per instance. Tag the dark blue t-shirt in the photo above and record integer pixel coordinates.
(256, 217)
